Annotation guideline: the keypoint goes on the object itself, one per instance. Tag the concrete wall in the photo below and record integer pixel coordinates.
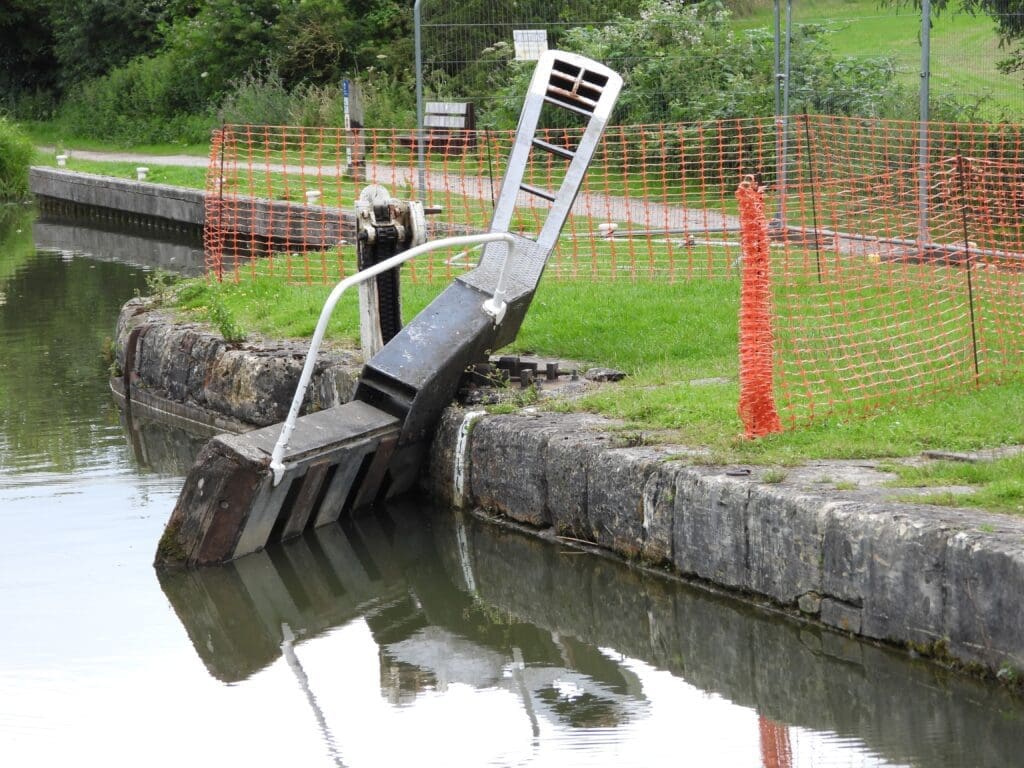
(130, 197)
(271, 220)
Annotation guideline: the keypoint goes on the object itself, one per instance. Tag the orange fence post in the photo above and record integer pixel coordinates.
(757, 401)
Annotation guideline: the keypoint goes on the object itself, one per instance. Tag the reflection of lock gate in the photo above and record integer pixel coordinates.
(270, 484)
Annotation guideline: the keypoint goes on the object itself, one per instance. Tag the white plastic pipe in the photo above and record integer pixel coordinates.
(276, 458)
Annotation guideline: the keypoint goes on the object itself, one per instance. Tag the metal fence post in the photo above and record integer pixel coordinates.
(420, 151)
(922, 174)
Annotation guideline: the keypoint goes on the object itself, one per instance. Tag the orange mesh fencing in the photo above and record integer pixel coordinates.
(892, 265)
(657, 202)
(895, 280)
(757, 401)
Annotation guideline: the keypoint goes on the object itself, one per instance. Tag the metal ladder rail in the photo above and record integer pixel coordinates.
(574, 83)
(276, 463)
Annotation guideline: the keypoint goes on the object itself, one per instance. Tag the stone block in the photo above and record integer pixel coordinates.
(709, 534)
(506, 456)
(984, 581)
(784, 536)
(891, 563)
(844, 616)
(615, 498)
(810, 603)
(570, 454)
(659, 498)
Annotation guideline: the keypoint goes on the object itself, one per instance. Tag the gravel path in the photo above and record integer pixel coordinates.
(639, 212)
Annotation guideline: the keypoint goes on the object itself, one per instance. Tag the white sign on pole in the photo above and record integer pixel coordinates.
(530, 43)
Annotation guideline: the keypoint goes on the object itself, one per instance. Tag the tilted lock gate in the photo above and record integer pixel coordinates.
(248, 490)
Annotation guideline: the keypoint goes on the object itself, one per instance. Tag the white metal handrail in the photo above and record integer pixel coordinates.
(495, 307)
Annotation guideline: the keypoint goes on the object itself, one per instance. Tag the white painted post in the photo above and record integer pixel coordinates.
(370, 337)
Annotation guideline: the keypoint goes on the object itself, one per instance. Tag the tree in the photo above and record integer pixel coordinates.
(92, 37)
(27, 62)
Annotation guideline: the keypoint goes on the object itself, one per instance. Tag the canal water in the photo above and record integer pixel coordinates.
(411, 638)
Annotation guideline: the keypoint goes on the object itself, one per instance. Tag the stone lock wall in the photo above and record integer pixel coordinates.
(945, 582)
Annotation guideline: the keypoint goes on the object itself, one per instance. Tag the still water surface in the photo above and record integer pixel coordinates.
(412, 638)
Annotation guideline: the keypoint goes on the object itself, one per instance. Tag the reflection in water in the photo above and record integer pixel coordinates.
(140, 245)
(578, 641)
(56, 316)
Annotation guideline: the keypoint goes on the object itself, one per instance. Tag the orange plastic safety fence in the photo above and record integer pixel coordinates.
(897, 264)
(895, 251)
(757, 399)
(656, 203)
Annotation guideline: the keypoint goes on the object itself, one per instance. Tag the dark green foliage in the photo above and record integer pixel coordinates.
(15, 156)
(149, 100)
(91, 37)
(686, 63)
(27, 62)
(152, 71)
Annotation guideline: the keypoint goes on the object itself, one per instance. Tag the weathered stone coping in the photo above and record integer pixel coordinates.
(185, 372)
(944, 582)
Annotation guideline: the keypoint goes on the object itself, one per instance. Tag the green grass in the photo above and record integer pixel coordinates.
(175, 175)
(964, 49)
(54, 135)
(995, 485)
(678, 343)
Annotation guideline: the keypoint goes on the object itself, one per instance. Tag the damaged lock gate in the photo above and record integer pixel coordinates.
(248, 490)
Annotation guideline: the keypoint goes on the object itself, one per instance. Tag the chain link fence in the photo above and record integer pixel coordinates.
(859, 58)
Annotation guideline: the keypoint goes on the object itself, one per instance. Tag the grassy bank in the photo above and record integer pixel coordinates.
(678, 344)
(965, 49)
(175, 175)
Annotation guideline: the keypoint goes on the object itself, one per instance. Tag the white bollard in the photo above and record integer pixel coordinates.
(62, 160)
(312, 196)
(140, 172)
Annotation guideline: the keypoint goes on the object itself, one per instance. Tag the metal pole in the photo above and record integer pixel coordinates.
(922, 172)
(347, 106)
(785, 116)
(968, 264)
(420, 149)
(778, 59)
(779, 77)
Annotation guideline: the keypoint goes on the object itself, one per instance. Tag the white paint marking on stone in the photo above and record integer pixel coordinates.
(461, 444)
(648, 499)
(464, 560)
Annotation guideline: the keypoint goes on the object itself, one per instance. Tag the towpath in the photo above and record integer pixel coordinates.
(638, 212)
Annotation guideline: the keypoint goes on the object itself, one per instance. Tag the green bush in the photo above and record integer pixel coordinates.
(149, 100)
(15, 156)
(388, 100)
(257, 98)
